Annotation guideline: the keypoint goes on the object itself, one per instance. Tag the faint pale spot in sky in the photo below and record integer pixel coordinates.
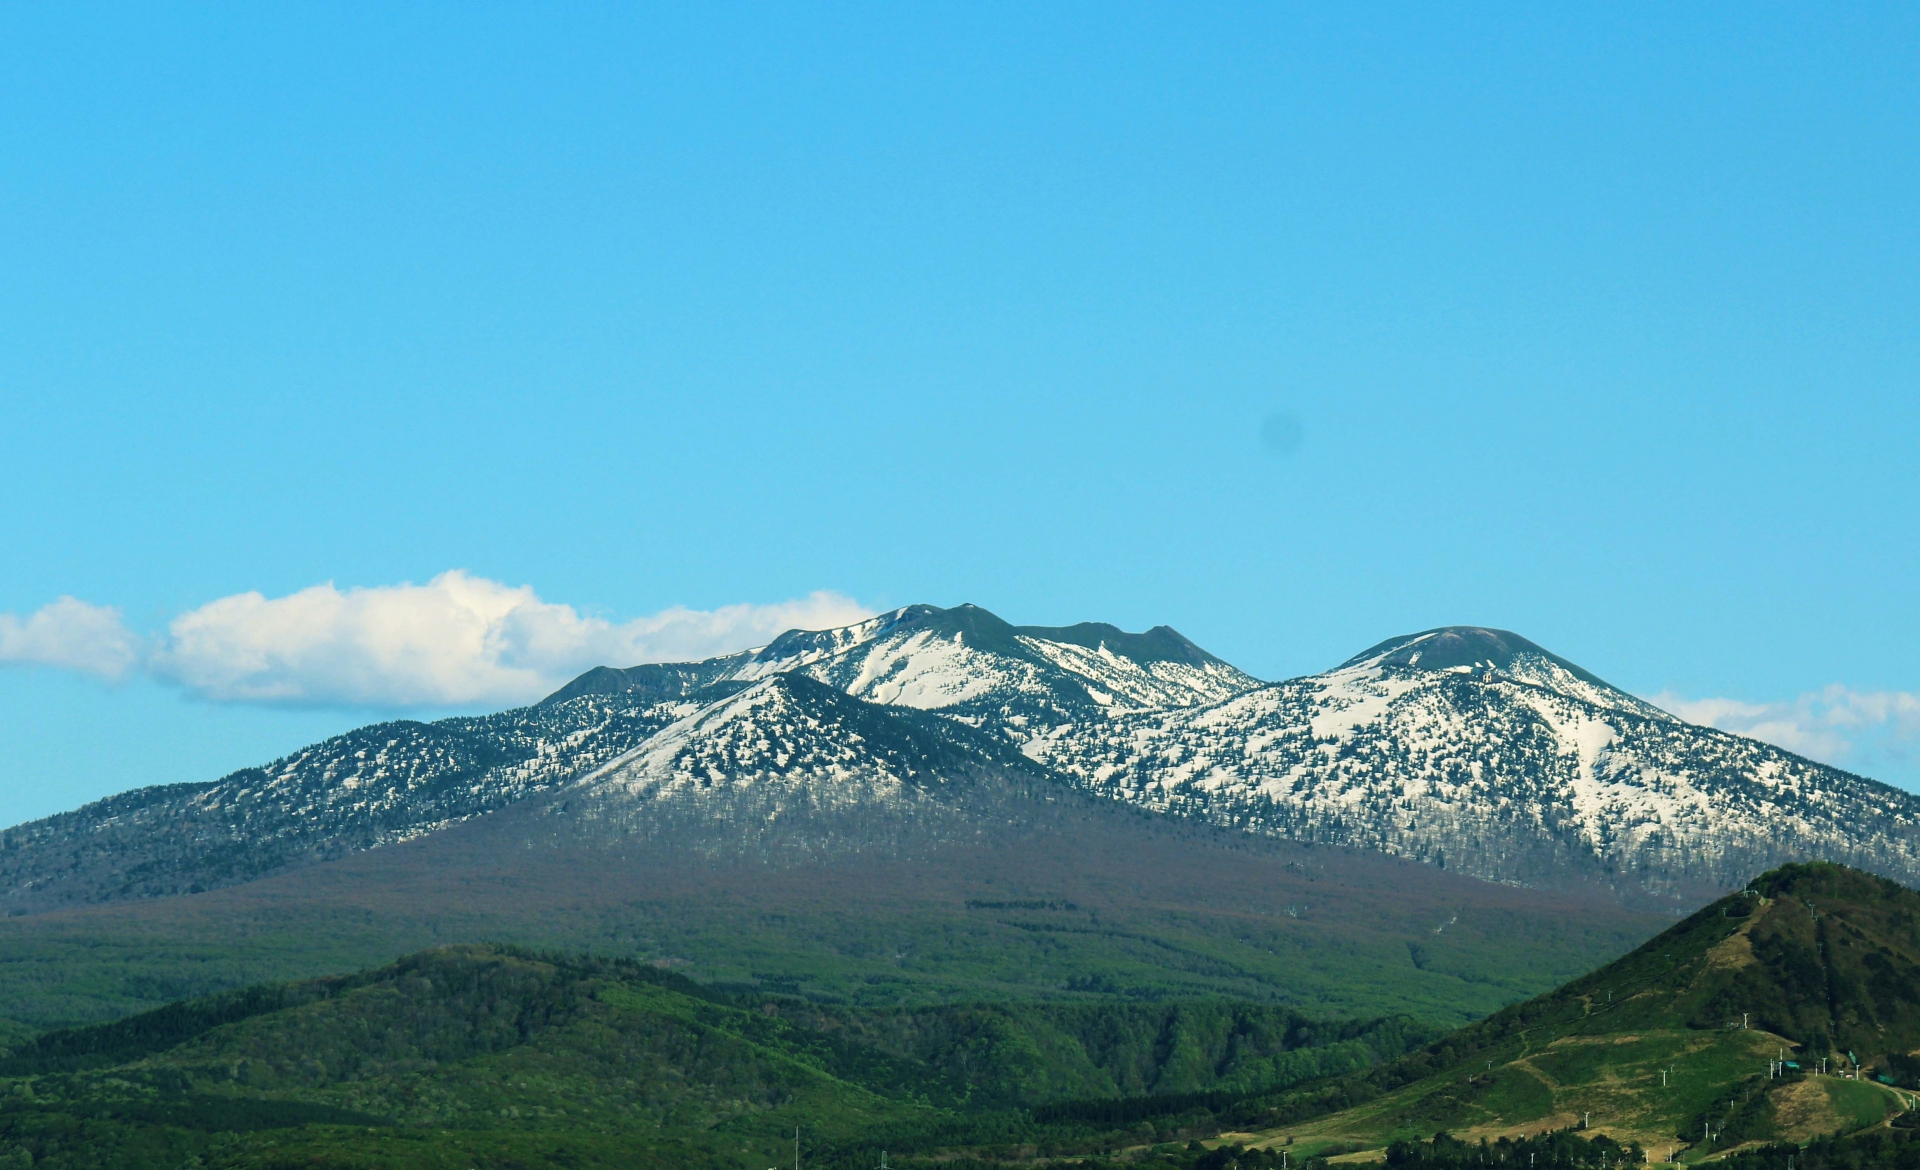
(1281, 433)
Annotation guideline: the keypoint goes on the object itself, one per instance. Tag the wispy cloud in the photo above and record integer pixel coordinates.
(456, 640)
(1861, 730)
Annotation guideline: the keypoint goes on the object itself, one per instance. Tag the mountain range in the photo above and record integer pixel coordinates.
(1471, 749)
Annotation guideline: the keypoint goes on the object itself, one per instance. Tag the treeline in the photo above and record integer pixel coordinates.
(1876, 1149)
(1560, 1149)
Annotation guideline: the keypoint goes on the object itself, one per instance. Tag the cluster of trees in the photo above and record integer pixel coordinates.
(1901, 1069)
(1192, 1156)
(1560, 1149)
(1741, 1113)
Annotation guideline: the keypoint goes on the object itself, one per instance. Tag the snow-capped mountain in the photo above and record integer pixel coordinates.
(1478, 750)
(393, 782)
(1465, 747)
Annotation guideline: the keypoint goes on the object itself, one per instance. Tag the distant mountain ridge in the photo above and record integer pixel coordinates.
(1467, 747)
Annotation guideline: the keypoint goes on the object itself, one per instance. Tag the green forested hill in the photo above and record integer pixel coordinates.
(470, 1056)
(1681, 1038)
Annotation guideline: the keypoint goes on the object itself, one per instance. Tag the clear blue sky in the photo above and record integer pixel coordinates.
(1291, 327)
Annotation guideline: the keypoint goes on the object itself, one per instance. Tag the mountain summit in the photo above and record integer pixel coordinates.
(962, 660)
(1469, 646)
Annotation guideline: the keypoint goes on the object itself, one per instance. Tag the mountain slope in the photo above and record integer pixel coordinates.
(375, 786)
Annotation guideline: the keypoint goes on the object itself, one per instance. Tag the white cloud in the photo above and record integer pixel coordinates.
(1839, 725)
(457, 640)
(73, 635)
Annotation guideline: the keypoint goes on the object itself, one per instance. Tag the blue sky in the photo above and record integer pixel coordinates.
(1291, 327)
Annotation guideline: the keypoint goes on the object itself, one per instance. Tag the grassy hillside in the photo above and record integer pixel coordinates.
(1678, 1039)
(467, 1057)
